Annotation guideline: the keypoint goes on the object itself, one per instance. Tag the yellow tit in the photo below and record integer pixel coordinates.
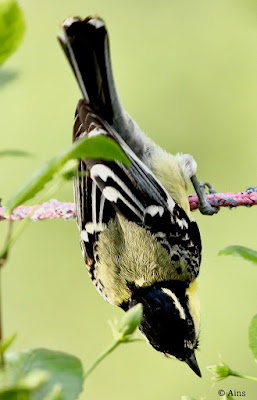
(138, 238)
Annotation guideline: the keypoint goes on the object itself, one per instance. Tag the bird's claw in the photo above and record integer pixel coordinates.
(209, 186)
(251, 189)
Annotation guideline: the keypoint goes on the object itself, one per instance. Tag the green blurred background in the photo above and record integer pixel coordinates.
(185, 71)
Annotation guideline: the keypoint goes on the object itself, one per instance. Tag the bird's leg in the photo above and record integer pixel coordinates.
(204, 207)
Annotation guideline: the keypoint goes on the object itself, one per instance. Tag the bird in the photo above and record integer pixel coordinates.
(138, 238)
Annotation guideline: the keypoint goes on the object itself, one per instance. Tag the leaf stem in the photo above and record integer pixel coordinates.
(4, 251)
(105, 353)
(249, 378)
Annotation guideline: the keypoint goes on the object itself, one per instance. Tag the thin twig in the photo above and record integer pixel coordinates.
(55, 209)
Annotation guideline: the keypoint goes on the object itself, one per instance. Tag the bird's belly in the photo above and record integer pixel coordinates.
(123, 262)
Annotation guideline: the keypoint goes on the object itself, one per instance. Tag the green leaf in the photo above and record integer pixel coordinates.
(186, 398)
(16, 385)
(101, 147)
(96, 147)
(6, 342)
(14, 153)
(253, 336)
(12, 28)
(18, 394)
(33, 379)
(55, 393)
(64, 373)
(240, 251)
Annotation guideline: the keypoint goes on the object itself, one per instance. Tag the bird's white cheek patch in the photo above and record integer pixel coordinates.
(176, 302)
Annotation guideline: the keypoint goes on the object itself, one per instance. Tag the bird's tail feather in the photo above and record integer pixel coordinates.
(86, 45)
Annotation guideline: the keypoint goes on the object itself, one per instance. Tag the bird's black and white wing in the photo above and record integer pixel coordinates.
(132, 191)
(92, 209)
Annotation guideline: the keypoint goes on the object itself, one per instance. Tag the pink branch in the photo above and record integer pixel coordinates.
(231, 200)
(54, 209)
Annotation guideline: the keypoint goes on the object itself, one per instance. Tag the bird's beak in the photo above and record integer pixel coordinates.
(191, 361)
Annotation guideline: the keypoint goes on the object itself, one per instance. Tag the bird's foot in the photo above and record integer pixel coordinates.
(204, 206)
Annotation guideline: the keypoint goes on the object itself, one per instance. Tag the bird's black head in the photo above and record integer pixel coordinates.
(167, 320)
